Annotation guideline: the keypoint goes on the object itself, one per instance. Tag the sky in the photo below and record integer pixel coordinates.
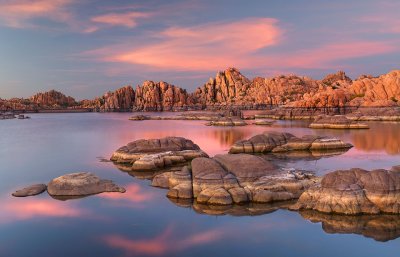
(84, 48)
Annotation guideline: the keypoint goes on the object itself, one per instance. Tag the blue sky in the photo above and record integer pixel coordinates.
(84, 48)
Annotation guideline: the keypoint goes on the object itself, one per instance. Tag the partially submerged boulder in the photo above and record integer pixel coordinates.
(227, 179)
(336, 122)
(30, 190)
(286, 142)
(155, 154)
(227, 121)
(263, 122)
(354, 191)
(81, 184)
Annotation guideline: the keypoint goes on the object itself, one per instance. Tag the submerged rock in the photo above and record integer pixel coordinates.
(354, 191)
(81, 184)
(227, 179)
(336, 122)
(155, 154)
(30, 190)
(285, 142)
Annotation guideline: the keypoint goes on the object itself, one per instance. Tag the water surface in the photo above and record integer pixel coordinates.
(143, 222)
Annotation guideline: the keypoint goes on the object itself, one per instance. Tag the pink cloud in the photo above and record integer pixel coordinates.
(325, 55)
(134, 195)
(120, 19)
(164, 243)
(18, 14)
(206, 47)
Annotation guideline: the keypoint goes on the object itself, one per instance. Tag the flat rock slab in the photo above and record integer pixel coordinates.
(336, 122)
(278, 142)
(81, 184)
(157, 154)
(30, 190)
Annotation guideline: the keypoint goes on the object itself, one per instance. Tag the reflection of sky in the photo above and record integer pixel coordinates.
(142, 221)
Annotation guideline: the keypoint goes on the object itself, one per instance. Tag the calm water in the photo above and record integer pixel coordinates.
(143, 222)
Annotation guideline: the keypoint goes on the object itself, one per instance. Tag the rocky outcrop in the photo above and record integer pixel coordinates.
(30, 190)
(228, 179)
(277, 142)
(155, 154)
(231, 88)
(161, 96)
(52, 99)
(375, 114)
(336, 122)
(353, 192)
(80, 184)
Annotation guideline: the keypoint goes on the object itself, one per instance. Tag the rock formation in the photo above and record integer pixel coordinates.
(161, 96)
(80, 184)
(231, 88)
(228, 179)
(30, 190)
(353, 192)
(52, 99)
(336, 122)
(277, 142)
(155, 154)
(226, 121)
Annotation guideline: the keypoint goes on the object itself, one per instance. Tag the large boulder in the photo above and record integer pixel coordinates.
(156, 154)
(354, 191)
(285, 142)
(227, 179)
(336, 122)
(81, 184)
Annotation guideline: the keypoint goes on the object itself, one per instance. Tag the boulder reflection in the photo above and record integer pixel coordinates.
(379, 227)
(250, 209)
(379, 137)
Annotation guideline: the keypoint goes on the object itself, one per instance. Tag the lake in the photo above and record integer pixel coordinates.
(144, 222)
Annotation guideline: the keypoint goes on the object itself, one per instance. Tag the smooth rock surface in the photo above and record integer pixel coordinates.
(81, 184)
(156, 154)
(286, 142)
(30, 190)
(241, 178)
(336, 122)
(354, 192)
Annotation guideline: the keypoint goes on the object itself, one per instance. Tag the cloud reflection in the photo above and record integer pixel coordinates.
(165, 243)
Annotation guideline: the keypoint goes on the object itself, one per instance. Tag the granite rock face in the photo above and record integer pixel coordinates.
(161, 96)
(278, 142)
(52, 98)
(235, 179)
(231, 88)
(81, 184)
(353, 192)
(156, 154)
(30, 190)
(336, 122)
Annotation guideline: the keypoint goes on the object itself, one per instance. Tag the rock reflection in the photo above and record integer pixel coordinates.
(379, 227)
(226, 137)
(379, 137)
(250, 209)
